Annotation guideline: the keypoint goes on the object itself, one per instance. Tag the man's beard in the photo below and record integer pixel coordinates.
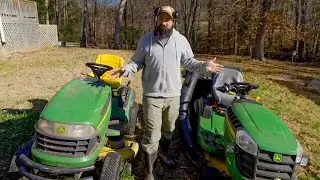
(162, 31)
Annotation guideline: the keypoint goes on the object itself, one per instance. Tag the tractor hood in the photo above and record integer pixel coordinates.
(78, 102)
(265, 127)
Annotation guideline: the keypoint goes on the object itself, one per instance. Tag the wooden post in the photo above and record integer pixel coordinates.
(20, 12)
(2, 38)
(294, 53)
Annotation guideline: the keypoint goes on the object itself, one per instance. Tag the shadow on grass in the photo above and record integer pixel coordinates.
(294, 68)
(271, 66)
(234, 58)
(298, 89)
(17, 127)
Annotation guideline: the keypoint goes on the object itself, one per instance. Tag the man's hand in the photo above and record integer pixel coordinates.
(214, 67)
(116, 73)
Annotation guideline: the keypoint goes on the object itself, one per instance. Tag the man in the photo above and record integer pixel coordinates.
(160, 53)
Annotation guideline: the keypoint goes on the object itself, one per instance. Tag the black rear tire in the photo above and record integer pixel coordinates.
(111, 167)
(130, 127)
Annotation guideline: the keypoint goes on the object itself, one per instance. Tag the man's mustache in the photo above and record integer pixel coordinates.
(162, 26)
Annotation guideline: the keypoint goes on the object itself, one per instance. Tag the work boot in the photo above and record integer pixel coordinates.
(164, 155)
(149, 160)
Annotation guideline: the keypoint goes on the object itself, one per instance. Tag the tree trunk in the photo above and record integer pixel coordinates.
(250, 13)
(84, 38)
(65, 12)
(228, 37)
(118, 24)
(95, 23)
(258, 51)
(298, 22)
(132, 10)
(193, 20)
(195, 42)
(90, 26)
(193, 10)
(209, 26)
(236, 37)
(47, 11)
(126, 25)
(281, 26)
(302, 41)
(184, 5)
(315, 44)
(57, 14)
(133, 41)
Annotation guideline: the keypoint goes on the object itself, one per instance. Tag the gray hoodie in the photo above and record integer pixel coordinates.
(161, 76)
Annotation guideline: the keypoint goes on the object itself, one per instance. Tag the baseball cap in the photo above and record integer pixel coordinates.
(166, 9)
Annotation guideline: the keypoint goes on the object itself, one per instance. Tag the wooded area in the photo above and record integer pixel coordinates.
(274, 28)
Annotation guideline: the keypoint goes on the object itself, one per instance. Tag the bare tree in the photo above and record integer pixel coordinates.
(47, 11)
(118, 24)
(209, 43)
(191, 18)
(315, 44)
(84, 38)
(132, 10)
(258, 51)
(302, 42)
(95, 22)
(57, 13)
(236, 36)
(126, 25)
(65, 11)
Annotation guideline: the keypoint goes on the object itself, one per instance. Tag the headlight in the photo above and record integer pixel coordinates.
(66, 130)
(245, 142)
(299, 152)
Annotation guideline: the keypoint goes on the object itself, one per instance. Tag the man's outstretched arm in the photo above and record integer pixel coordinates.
(136, 63)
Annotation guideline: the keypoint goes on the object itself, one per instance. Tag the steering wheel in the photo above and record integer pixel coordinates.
(243, 88)
(98, 69)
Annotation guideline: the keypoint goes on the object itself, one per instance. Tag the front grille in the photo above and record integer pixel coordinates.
(245, 163)
(233, 119)
(268, 169)
(263, 167)
(64, 147)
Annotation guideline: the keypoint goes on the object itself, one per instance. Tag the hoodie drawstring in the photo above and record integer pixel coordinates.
(175, 43)
(150, 49)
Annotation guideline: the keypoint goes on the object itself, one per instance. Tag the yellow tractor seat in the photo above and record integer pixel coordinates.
(113, 61)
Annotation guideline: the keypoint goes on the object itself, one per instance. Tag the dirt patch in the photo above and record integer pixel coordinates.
(185, 171)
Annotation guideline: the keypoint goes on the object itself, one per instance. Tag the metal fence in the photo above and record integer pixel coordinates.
(48, 35)
(20, 28)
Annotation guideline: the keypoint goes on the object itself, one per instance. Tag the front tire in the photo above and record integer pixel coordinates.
(111, 167)
(13, 172)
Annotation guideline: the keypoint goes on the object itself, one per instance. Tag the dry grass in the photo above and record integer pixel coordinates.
(29, 80)
(39, 74)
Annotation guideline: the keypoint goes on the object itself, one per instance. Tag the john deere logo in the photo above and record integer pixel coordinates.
(61, 129)
(277, 157)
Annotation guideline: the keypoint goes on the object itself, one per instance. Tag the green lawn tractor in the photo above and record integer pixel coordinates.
(85, 131)
(230, 136)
